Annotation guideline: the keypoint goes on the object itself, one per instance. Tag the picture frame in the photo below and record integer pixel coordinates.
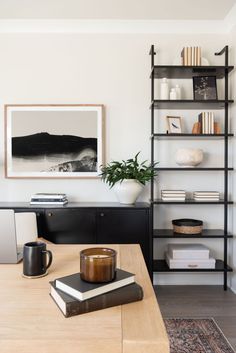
(174, 124)
(204, 88)
(54, 141)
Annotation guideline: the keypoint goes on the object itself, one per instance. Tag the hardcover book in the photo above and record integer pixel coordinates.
(81, 290)
(71, 306)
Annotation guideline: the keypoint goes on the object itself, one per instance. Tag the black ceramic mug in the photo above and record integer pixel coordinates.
(35, 259)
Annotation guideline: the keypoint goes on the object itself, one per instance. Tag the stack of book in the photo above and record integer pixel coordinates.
(74, 296)
(207, 124)
(206, 196)
(173, 195)
(48, 199)
(191, 56)
(191, 256)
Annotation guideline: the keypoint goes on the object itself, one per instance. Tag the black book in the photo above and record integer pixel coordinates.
(81, 290)
(71, 306)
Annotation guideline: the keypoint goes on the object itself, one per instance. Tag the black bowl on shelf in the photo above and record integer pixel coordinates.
(187, 226)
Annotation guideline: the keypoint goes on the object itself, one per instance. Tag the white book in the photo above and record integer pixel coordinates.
(188, 251)
(48, 196)
(173, 199)
(173, 191)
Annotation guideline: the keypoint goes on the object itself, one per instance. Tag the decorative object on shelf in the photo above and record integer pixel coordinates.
(178, 91)
(187, 226)
(173, 195)
(189, 256)
(189, 157)
(98, 264)
(206, 195)
(174, 124)
(173, 95)
(204, 88)
(164, 94)
(128, 178)
(54, 141)
(191, 56)
(196, 128)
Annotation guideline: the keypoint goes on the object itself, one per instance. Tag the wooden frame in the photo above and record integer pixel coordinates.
(174, 124)
(204, 88)
(54, 141)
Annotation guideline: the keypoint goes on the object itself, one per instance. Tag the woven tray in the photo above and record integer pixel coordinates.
(187, 226)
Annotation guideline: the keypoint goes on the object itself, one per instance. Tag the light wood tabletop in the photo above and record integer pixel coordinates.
(30, 322)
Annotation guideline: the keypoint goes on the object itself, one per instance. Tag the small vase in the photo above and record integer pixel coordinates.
(128, 190)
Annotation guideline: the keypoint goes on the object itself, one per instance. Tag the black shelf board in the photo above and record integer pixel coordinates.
(206, 233)
(193, 169)
(190, 136)
(190, 202)
(161, 266)
(190, 104)
(185, 72)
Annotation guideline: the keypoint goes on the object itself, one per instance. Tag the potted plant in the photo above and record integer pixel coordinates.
(127, 177)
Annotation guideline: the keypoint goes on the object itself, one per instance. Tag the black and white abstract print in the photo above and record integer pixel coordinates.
(54, 141)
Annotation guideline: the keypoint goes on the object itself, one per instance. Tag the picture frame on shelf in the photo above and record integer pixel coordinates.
(174, 124)
(204, 88)
(54, 141)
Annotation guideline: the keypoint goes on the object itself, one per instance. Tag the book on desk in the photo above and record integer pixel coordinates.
(75, 296)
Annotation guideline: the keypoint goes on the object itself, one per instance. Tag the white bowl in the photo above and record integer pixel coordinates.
(189, 157)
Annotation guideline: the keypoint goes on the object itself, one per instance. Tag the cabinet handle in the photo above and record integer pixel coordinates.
(102, 214)
(38, 214)
(49, 214)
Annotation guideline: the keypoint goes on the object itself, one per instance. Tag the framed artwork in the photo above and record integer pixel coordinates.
(204, 88)
(53, 141)
(174, 125)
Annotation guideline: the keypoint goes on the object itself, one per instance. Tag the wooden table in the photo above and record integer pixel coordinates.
(30, 322)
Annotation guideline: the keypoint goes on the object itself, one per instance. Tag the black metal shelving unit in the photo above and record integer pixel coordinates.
(188, 72)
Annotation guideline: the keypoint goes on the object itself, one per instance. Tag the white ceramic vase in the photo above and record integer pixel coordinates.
(128, 190)
(189, 157)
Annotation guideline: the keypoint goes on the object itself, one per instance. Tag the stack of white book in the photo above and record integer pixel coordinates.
(48, 199)
(191, 256)
(191, 56)
(173, 195)
(207, 123)
(206, 196)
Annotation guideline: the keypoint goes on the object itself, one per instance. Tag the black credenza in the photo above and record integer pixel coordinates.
(93, 223)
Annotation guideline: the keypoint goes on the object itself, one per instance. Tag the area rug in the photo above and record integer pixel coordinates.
(196, 336)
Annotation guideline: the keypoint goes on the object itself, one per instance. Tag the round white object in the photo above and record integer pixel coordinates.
(189, 157)
(128, 190)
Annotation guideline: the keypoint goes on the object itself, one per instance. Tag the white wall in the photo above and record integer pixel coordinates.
(112, 69)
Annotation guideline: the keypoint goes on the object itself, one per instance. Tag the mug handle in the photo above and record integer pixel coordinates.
(49, 258)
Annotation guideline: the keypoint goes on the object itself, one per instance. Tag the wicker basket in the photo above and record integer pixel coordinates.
(187, 226)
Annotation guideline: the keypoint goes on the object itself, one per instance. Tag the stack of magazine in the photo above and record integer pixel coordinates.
(74, 296)
(48, 199)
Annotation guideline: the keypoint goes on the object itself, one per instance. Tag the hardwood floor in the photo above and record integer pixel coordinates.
(200, 301)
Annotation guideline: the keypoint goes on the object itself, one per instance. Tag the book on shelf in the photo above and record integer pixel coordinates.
(191, 56)
(173, 198)
(173, 191)
(188, 251)
(48, 196)
(81, 290)
(206, 120)
(71, 306)
(49, 202)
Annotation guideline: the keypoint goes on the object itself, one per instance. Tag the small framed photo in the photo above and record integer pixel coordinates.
(174, 124)
(204, 88)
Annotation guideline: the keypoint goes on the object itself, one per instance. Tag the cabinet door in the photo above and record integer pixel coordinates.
(70, 226)
(126, 226)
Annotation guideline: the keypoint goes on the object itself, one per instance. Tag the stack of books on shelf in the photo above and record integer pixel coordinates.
(173, 195)
(74, 296)
(189, 256)
(48, 199)
(191, 56)
(207, 123)
(206, 195)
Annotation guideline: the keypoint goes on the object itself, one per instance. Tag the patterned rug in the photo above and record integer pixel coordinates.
(196, 336)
